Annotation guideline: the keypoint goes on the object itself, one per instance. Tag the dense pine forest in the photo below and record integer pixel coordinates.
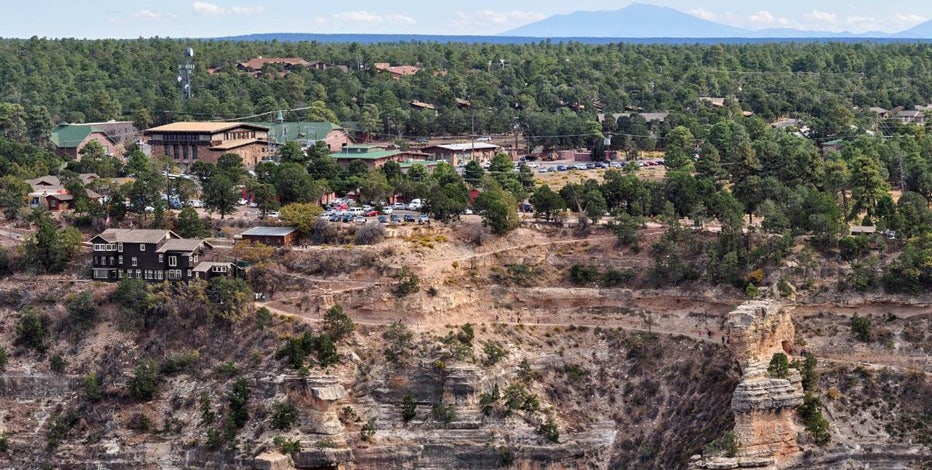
(724, 161)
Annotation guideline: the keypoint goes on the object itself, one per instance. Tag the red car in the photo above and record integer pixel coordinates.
(372, 213)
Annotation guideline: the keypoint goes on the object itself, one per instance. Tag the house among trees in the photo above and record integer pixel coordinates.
(374, 156)
(69, 139)
(397, 71)
(153, 255)
(271, 236)
(911, 117)
(456, 153)
(187, 142)
(50, 192)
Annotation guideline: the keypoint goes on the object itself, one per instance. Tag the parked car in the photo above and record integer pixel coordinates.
(371, 213)
(423, 219)
(336, 218)
(399, 206)
(242, 202)
(410, 218)
(415, 205)
(387, 210)
(383, 219)
(484, 138)
(347, 218)
(273, 214)
(359, 220)
(395, 218)
(195, 203)
(355, 211)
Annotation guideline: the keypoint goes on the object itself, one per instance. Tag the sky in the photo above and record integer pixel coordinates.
(95, 19)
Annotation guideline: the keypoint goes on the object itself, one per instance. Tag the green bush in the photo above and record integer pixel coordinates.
(548, 429)
(144, 383)
(237, 398)
(32, 332)
(82, 311)
(3, 358)
(263, 317)
(337, 323)
(408, 408)
(57, 364)
(494, 352)
(861, 328)
(443, 413)
(779, 366)
(4, 442)
(816, 424)
(367, 432)
(583, 275)
(59, 426)
(177, 363)
(408, 283)
(284, 415)
(93, 387)
(287, 446)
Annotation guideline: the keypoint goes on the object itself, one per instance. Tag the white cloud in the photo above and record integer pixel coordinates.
(373, 18)
(704, 14)
(821, 17)
(210, 9)
(148, 15)
(765, 18)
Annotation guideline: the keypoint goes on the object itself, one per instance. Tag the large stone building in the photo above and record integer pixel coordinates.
(188, 142)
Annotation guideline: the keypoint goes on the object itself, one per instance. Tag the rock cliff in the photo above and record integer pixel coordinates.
(764, 406)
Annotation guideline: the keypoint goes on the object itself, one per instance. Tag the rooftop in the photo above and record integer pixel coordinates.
(269, 231)
(180, 244)
(463, 147)
(370, 155)
(203, 126)
(126, 235)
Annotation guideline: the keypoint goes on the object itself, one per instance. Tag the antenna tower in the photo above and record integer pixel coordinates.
(184, 74)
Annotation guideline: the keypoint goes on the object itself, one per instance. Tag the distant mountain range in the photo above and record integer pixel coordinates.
(640, 20)
(636, 23)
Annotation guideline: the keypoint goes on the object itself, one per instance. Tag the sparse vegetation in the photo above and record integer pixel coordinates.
(861, 328)
(144, 383)
(284, 415)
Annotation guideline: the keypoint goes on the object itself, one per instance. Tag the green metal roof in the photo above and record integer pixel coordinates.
(70, 135)
(370, 155)
(415, 162)
(281, 132)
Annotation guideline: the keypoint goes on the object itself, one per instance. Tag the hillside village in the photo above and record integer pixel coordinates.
(313, 262)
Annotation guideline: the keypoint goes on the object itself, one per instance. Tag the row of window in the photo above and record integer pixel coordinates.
(147, 274)
(239, 135)
(109, 261)
(115, 247)
(181, 152)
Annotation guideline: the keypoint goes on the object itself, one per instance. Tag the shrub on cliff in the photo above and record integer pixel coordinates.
(861, 328)
(779, 366)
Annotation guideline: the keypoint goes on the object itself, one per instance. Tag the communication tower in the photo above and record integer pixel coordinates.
(184, 74)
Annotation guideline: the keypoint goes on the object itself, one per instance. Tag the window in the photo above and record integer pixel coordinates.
(195, 257)
(194, 152)
(100, 274)
(219, 269)
(133, 261)
(148, 274)
(159, 275)
(120, 260)
(142, 247)
(120, 247)
(160, 258)
(189, 274)
(138, 274)
(172, 261)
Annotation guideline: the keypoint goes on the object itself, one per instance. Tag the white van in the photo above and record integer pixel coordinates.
(415, 205)
(355, 210)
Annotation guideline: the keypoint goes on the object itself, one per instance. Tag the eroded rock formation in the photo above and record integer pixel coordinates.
(764, 406)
